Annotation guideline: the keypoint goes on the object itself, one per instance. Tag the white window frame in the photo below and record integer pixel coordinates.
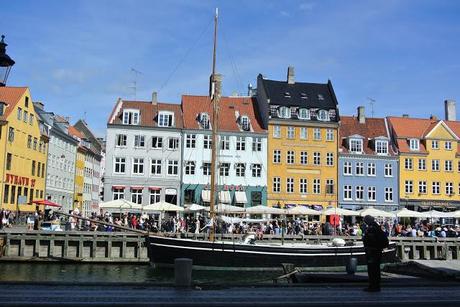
(359, 169)
(381, 147)
(156, 166)
(139, 141)
(371, 193)
(165, 119)
(388, 195)
(408, 187)
(449, 188)
(174, 141)
(304, 157)
(241, 143)
(277, 132)
(131, 117)
(139, 164)
(356, 146)
(256, 144)
(158, 144)
(303, 186)
(276, 156)
(330, 135)
(436, 188)
(303, 113)
(224, 142)
(448, 145)
(303, 133)
(330, 159)
(154, 196)
(448, 166)
(289, 185)
(435, 144)
(408, 164)
(347, 168)
(359, 193)
(317, 134)
(317, 158)
(323, 115)
(290, 157)
(121, 139)
(207, 141)
(256, 170)
(190, 167)
(190, 140)
(414, 144)
(117, 161)
(240, 169)
(435, 167)
(284, 112)
(276, 185)
(422, 164)
(316, 186)
(118, 193)
(136, 196)
(290, 132)
(371, 169)
(422, 187)
(388, 171)
(172, 168)
(347, 192)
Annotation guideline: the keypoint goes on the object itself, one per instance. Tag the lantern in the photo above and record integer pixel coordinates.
(5, 62)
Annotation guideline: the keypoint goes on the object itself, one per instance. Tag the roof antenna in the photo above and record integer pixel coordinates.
(371, 103)
(134, 86)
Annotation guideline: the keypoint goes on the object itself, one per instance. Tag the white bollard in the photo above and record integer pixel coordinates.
(183, 272)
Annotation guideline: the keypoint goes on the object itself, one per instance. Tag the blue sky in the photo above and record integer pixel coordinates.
(76, 56)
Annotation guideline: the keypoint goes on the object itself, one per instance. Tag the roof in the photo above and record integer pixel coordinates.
(230, 109)
(11, 95)
(371, 129)
(148, 112)
(74, 132)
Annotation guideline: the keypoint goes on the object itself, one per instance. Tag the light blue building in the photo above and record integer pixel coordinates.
(368, 164)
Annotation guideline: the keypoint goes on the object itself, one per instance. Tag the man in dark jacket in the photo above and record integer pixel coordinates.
(375, 241)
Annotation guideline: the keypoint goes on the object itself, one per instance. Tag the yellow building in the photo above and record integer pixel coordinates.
(429, 159)
(302, 121)
(79, 170)
(23, 148)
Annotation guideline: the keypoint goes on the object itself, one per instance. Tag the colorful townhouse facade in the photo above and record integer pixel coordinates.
(429, 160)
(302, 120)
(79, 180)
(143, 152)
(242, 159)
(23, 148)
(368, 164)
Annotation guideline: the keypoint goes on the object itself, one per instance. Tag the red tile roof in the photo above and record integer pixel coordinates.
(148, 112)
(75, 132)
(11, 95)
(372, 128)
(192, 106)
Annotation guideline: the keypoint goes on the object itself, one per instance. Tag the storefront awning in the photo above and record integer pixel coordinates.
(206, 196)
(119, 187)
(240, 197)
(224, 197)
(137, 188)
(154, 188)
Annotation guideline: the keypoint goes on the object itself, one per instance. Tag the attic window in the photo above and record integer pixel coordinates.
(287, 95)
(381, 147)
(284, 112)
(304, 113)
(245, 123)
(355, 145)
(414, 144)
(165, 119)
(323, 115)
(320, 97)
(303, 96)
(130, 117)
(204, 120)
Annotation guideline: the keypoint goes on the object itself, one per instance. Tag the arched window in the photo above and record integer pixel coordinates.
(284, 112)
(304, 113)
(323, 115)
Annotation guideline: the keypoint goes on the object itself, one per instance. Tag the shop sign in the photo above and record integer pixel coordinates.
(19, 180)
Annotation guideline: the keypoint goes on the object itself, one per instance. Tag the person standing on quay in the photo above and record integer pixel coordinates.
(375, 241)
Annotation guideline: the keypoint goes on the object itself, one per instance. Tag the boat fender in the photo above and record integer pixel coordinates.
(338, 242)
(249, 239)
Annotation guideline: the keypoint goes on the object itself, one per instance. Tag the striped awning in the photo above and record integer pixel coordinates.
(240, 197)
(206, 196)
(224, 197)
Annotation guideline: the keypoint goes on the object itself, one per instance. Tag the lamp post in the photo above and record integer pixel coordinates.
(5, 62)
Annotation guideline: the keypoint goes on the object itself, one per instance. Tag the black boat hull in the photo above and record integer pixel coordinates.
(163, 250)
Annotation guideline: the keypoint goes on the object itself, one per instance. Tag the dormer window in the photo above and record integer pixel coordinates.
(245, 123)
(414, 144)
(165, 119)
(356, 146)
(303, 96)
(381, 147)
(2, 108)
(323, 115)
(287, 95)
(204, 120)
(304, 113)
(284, 112)
(131, 117)
(320, 97)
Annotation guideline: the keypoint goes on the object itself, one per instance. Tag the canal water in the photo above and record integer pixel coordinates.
(131, 273)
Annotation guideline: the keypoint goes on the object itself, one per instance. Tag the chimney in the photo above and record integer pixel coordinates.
(154, 98)
(40, 105)
(405, 115)
(249, 89)
(450, 109)
(361, 115)
(433, 118)
(290, 75)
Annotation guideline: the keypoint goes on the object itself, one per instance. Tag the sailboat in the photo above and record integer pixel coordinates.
(248, 254)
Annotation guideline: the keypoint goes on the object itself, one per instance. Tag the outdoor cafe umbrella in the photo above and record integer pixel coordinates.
(409, 213)
(223, 208)
(162, 206)
(457, 214)
(260, 209)
(195, 208)
(340, 211)
(375, 212)
(120, 204)
(438, 214)
(301, 210)
(46, 203)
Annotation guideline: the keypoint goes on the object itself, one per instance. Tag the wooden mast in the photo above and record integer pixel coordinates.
(214, 92)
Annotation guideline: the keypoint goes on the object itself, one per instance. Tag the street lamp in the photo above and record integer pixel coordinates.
(5, 62)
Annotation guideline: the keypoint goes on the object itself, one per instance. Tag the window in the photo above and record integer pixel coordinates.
(224, 169)
(119, 165)
(388, 170)
(435, 165)
(121, 140)
(256, 170)
(240, 169)
(131, 117)
(414, 144)
(190, 167)
(408, 163)
(359, 195)
(290, 157)
(330, 159)
(136, 196)
(276, 131)
(26, 116)
(33, 167)
(458, 166)
(359, 168)
(240, 143)
(371, 193)
(155, 167)
(317, 134)
(35, 143)
(422, 187)
(421, 164)
(329, 186)
(303, 186)
(408, 187)
(29, 141)
(290, 132)
(303, 113)
(165, 119)
(11, 134)
(448, 145)
(173, 167)
(323, 115)
(173, 143)
(448, 166)
(371, 169)
(225, 142)
(19, 114)
(435, 187)
(347, 192)
(276, 184)
(139, 141)
(381, 147)
(256, 144)
(388, 194)
(347, 171)
(434, 145)
(31, 119)
(206, 169)
(157, 142)
(138, 166)
(356, 146)
(316, 186)
(155, 195)
(9, 161)
(276, 156)
(190, 141)
(284, 112)
(118, 194)
(303, 133)
(329, 135)
(449, 188)
(244, 122)
(13, 195)
(290, 185)
(207, 141)
(316, 158)
(204, 120)
(303, 157)
(6, 192)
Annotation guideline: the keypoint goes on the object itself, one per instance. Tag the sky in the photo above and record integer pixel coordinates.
(78, 57)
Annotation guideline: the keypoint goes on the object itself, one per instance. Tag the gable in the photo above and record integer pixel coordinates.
(441, 131)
